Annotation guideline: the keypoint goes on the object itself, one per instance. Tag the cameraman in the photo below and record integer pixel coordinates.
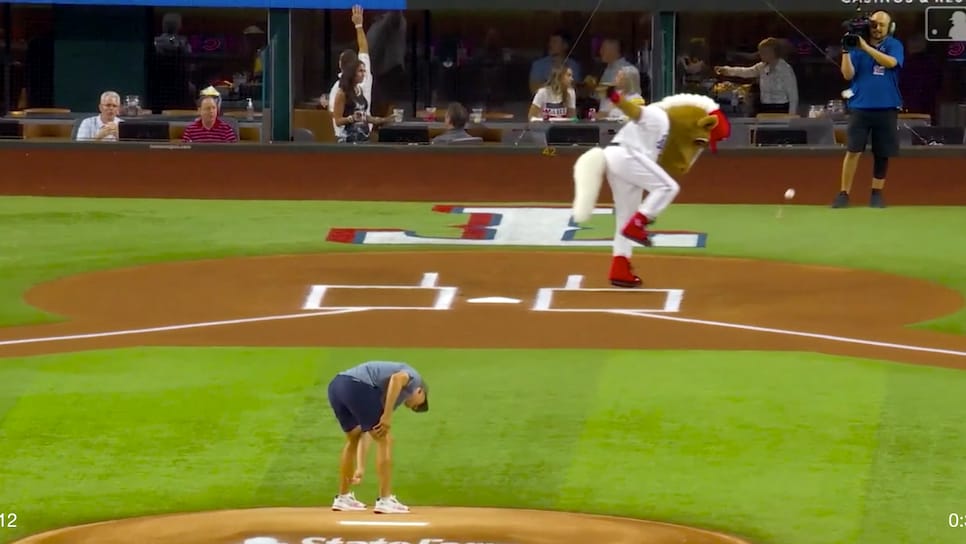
(873, 68)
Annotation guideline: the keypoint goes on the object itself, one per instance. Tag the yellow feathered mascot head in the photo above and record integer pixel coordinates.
(695, 122)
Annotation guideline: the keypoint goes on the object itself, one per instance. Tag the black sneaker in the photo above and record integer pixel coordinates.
(842, 200)
(876, 200)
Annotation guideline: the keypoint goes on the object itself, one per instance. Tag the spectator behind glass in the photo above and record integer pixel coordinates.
(629, 84)
(208, 128)
(778, 86)
(102, 127)
(171, 86)
(347, 56)
(387, 41)
(170, 40)
(694, 67)
(557, 98)
(456, 117)
(542, 68)
(350, 105)
(612, 56)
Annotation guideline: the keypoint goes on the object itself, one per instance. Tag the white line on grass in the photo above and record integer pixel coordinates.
(791, 333)
(199, 325)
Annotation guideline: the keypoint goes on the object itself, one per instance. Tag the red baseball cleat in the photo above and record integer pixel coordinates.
(622, 273)
(636, 229)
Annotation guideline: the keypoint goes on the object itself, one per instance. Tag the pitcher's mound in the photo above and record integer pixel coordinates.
(424, 525)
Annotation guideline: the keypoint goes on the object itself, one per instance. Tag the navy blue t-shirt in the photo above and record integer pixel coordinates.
(874, 85)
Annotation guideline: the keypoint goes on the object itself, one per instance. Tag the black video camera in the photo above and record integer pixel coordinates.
(860, 26)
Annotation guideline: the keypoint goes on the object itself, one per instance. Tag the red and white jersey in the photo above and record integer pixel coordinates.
(646, 136)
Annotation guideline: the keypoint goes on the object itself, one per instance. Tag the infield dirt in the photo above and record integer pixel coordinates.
(270, 293)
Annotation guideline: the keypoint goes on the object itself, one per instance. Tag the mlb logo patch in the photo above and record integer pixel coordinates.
(946, 24)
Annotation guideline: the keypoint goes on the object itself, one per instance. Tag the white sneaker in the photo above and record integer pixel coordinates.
(390, 505)
(347, 503)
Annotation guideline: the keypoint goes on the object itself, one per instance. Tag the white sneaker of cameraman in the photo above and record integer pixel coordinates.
(390, 505)
(347, 503)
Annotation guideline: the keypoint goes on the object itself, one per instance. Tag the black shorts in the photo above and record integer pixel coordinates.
(881, 125)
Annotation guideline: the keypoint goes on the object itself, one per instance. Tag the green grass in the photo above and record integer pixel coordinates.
(47, 238)
(782, 448)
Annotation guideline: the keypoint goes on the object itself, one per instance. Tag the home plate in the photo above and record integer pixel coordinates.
(494, 300)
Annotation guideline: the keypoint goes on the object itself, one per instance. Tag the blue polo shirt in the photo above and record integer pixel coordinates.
(541, 69)
(874, 85)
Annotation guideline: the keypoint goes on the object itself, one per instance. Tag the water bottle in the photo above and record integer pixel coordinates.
(250, 109)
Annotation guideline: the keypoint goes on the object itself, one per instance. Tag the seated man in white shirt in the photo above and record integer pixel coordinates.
(344, 59)
(102, 127)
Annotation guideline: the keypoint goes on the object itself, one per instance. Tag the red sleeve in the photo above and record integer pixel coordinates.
(190, 132)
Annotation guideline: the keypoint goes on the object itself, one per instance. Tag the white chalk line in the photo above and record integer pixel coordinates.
(385, 523)
(573, 282)
(787, 332)
(164, 328)
(429, 280)
(444, 295)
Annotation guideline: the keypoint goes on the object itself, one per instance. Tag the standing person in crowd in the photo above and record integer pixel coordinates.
(347, 56)
(350, 106)
(874, 102)
(387, 38)
(542, 69)
(612, 55)
(777, 83)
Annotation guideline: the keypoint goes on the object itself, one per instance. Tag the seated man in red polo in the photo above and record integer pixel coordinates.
(208, 127)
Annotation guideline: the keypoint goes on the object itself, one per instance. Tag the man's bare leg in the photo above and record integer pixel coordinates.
(387, 502)
(361, 458)
(384, 465)
(849, 165)
(347, 461)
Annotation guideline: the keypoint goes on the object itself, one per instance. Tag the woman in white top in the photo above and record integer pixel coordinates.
(778, 87)
(557, 99)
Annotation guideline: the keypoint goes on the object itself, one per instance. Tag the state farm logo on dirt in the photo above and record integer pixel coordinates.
(341, 540)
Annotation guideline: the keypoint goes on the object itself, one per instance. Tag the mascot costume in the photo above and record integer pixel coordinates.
(659, 142)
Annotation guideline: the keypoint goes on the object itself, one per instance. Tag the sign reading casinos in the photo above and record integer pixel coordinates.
(340, 540)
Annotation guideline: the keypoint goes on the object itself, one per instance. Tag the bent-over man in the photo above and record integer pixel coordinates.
(363, 399)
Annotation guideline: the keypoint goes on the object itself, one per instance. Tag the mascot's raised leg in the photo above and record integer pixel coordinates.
(660, 194)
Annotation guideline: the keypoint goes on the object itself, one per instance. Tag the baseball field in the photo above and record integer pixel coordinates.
(791, 374)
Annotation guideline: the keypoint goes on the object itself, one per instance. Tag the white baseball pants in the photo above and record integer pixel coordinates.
(629, 175)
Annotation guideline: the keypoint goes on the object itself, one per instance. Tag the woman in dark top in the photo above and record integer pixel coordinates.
(350, 107)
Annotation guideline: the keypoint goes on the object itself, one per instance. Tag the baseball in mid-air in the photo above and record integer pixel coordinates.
(789, 194)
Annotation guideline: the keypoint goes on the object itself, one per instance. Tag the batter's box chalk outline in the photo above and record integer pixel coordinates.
(444, 295)
(544, 301)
